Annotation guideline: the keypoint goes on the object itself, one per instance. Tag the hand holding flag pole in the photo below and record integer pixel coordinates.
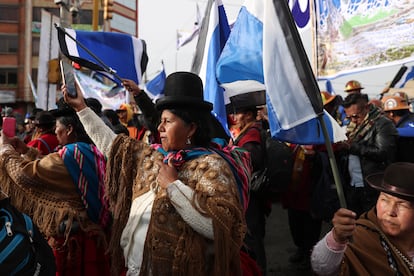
(106, 68)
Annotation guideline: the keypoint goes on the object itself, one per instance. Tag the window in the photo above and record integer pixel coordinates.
(35, 45)
(8, 77)
(37, 13)
(34, 76)
(9, 43)
(9, 13)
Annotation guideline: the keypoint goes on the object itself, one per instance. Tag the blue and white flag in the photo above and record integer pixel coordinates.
(265, 49)
(126, 55)
(213, 36)
(156, 86)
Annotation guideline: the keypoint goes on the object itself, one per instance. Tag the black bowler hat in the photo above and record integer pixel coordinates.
(183, 90)
(397, 180)
(63, 109)
(246, 101)
(44, 119)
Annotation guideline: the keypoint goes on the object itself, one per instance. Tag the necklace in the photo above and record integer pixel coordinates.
(403, 257)
(409, 263)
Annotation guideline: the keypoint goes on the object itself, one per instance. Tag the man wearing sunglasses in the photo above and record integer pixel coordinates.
(372, 140)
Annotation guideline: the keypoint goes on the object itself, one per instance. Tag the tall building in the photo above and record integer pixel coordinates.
(20, 24)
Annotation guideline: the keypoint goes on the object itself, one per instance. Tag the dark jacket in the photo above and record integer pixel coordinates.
(377, 149)
(405, 151)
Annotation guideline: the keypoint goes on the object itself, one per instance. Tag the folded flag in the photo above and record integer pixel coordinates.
(156, 85)
(265, 49)
(105, 51)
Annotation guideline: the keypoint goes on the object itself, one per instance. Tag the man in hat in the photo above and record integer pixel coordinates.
(381, 241)
(353, 86)
(333, 104)
(29, 125)
(396, 108)
(372, 142)
(243, 110)
(44, 139)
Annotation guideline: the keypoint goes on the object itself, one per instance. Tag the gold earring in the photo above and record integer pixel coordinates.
(188, 142)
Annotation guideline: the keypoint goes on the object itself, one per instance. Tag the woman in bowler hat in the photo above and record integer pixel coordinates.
(380, 241)
(175, 205)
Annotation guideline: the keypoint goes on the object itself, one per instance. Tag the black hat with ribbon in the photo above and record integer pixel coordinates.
(183, 90)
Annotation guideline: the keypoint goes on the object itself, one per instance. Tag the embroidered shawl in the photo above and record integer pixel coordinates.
(172, 247)
(45, 190)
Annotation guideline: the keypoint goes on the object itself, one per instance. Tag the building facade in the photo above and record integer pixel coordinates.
(20, 24)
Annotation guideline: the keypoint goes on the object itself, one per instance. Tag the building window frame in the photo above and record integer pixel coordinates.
(9, 43)
(9, 13)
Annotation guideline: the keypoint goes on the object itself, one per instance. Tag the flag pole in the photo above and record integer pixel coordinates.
(104, 66)
(285, 15)
(332, 162)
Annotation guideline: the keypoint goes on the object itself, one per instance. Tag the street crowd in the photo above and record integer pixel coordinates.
(163, 189)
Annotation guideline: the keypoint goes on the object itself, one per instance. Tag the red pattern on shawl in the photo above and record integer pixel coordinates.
(251, 135)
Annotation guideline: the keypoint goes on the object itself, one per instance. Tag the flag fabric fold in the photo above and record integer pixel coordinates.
(264, 47)
(156, 86)
(213, 36)
(185, 37)
(123, 53)
(408, 75)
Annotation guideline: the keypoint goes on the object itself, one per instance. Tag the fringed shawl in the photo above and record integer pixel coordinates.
(172, 247)
(86, 165)
(44, 190)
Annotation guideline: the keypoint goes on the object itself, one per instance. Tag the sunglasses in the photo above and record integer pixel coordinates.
(354, 116)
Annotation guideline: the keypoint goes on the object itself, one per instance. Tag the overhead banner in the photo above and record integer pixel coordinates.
(357, 35)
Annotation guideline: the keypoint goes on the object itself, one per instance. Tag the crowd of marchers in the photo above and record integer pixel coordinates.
(161, 188)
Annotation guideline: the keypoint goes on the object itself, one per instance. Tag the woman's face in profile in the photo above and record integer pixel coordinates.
(174, 132)
(62, 133)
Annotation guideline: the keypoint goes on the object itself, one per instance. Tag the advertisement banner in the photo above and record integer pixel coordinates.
(356, 35)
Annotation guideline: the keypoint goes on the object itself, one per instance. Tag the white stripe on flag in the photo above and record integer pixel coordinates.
(281, 76)
(71, 44)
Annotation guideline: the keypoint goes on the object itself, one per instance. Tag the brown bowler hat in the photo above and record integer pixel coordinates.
(397, 180)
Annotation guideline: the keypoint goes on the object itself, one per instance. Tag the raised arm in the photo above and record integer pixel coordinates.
(94, 126)
(328, 253)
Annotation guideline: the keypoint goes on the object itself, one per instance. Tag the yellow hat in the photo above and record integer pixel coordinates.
(353, 85)
(327, 97)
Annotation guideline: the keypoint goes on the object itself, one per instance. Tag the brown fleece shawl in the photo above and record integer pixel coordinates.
(45, 191)
(365, 255)
(172, 247)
